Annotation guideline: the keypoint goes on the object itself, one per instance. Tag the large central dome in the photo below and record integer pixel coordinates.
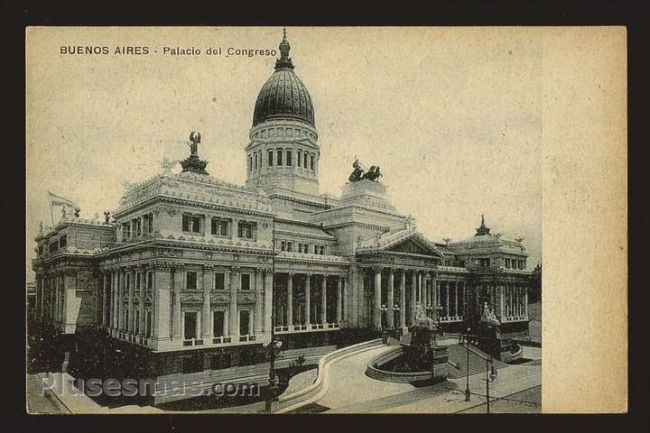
(283, 96)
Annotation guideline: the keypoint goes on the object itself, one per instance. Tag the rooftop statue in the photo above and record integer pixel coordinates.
(193, 163)
(195, 139)
(358, 172)
(373, 173)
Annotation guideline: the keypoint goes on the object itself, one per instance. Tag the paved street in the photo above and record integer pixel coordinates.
(351, 391)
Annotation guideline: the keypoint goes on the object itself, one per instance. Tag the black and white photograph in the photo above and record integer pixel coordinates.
(291, 220)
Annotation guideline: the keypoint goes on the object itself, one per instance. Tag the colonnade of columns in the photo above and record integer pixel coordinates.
(287, 318)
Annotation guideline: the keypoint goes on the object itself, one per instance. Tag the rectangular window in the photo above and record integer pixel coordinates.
(305, 160)
(193, 363)
(245, 229)
(250, 163)
(54, 246)
(148, 320)
(507, 263)
(219, 227)
(190, 325)
(196, 223)
(244, 322)
(63, 241)
(149, 280)
(322, 249)
(289, 246)
(126, 232)
(147, 223)
(311, 162)
(299, 159)
(270, 158)
(300, 248)
(137, 227)
(289, 158)
(219, 281)
(279, 153)
(255, 162)
(283, 246)
(245, 281)
(190, 280)
(217, 323)
(187, 222)
(136, 323)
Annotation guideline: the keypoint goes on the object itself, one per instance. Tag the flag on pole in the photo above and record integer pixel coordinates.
(56, 200)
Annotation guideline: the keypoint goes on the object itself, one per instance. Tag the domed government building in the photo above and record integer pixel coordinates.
(192, 276)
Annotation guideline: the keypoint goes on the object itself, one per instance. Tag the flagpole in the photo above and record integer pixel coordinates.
(49, 203)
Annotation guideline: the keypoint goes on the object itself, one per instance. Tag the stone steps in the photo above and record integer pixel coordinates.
(458, 355)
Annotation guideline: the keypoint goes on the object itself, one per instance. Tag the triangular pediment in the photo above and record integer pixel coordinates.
(410, 246)
(406, 241)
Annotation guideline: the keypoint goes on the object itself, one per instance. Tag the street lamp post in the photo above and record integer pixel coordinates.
(274, 345)
(384, 336)
(490, 376)
(467, 393)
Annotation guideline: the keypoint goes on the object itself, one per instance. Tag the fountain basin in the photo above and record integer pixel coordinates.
(393, 366)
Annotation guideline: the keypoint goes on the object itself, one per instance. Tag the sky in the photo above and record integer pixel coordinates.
(453, 116)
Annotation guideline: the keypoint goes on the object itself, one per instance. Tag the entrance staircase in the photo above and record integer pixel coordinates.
(458, 355)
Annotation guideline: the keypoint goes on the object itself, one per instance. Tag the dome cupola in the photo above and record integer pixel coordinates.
(283, 152)
(283, 96)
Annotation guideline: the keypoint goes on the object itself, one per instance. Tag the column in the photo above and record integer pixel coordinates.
(233, 313)
(504, 313)
(104, 300)
(290, 300)
(162, 301)
(391, 297)
(339, 293)
(268, 300)
(323, 299)
(131, 315)
(402, 299)
(448, 300)
(308, 300)
(526, 302)
(206, 315)
(121, 280)
(421, 288)
(113, 307)
(176, 309)
(142, 315)
(70, 310)
(456, 299)
(360, 298)
(414, 284)
(258, 320)
(377, 298)
(434, 294)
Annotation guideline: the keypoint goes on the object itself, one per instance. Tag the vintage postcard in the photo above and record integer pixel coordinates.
(326, 220)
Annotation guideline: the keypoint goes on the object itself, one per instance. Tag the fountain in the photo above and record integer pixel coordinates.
(422, 359)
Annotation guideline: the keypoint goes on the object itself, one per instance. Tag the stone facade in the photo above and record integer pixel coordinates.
(192, 263)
